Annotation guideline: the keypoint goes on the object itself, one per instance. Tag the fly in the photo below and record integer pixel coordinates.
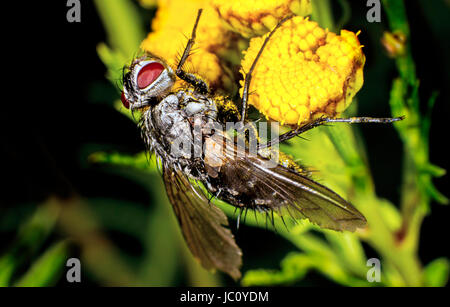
(180, 127)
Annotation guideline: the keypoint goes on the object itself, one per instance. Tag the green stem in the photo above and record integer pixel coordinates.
(398, 22)
(401, 256)
(122, 23)
(321, 12)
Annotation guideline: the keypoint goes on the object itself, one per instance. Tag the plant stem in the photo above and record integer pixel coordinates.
(122, 23)
(322, 13)
(402, 256)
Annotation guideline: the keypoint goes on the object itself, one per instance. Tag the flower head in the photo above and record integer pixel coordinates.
(172, 26)
(304, 72)
(256, 17)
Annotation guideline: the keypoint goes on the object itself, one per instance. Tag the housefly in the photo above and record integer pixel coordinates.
(181, 127)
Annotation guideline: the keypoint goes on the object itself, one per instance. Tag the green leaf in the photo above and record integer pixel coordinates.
(30, 238)
(390, 214)
(7, 266)
(349, 251)
(433, 170)
(436, 272)
(426, 119)
(322, 13)
(434, 193)
(398, 21)
(346, 14)
(123, 25)
(293, 268)
(46, 270)
(113, 60)
(139, 161)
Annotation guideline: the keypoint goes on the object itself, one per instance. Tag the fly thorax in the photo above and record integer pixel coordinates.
(176, 126)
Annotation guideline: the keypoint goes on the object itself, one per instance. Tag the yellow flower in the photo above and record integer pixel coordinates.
(304, 72)
(256, 17)
(172, 27)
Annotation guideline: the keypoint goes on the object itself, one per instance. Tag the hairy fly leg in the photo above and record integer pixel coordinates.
(199, 85)
(324, 120)
(248, 75)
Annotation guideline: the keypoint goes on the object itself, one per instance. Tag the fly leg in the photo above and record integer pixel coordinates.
(199, 85)
(248, 75)
(324, 120)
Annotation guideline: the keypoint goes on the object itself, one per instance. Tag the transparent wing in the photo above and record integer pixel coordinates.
(202, 225)
(284, 191)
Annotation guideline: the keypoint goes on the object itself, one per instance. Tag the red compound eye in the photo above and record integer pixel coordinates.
(125, 101)
(148, 74)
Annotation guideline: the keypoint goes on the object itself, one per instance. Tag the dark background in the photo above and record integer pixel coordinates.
(56, 100)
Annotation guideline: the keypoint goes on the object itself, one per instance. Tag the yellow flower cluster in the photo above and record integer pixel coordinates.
(256, 17)
(171, 29)
(304, 72)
